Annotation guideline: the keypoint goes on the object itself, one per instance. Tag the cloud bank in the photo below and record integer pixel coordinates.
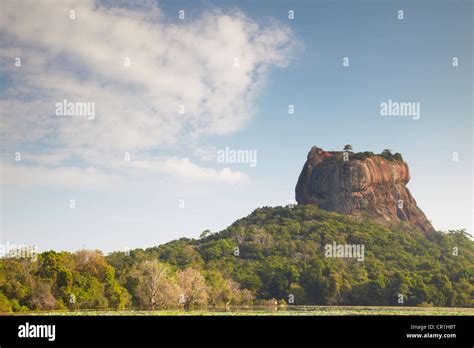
(156, 82)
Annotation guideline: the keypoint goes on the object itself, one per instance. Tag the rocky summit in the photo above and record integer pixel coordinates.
(360, 184)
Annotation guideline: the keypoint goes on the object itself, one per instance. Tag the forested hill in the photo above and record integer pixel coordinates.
(277, 253)
(281, 251)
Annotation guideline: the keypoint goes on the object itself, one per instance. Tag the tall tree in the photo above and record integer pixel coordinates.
(193, 288)
(154, 287)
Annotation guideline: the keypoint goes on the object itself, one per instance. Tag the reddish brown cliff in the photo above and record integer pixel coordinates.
(373, 186)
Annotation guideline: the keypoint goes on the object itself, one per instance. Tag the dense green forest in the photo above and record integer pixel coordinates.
(274, 254)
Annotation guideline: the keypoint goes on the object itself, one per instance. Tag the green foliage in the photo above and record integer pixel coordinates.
(348, 147)
(83, 280)
(282, 254)
(362, 155)
(180, 253)
(273, 256)
(5, 305)
(398, 157)
(386, 154)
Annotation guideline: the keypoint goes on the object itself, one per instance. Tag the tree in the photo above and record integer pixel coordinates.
(41, 297)
(179, 253)
(224, 292)
(168, 293)
(193, 288)
(153, 286)
(92, 262)
(348, 147)
(217, 249)
(205, 234)
(5, 305)
(387, 154)
(16, 281)
(92, 265)
(398, 156)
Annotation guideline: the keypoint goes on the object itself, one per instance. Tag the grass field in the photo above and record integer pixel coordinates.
(278, 311)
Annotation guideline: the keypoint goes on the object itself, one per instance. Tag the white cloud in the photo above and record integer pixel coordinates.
(184, 168)
(24, 176)
(172, 63)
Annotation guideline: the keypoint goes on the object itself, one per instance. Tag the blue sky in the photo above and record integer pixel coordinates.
(284, 62)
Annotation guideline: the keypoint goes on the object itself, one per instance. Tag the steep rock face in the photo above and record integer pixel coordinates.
(372, 186)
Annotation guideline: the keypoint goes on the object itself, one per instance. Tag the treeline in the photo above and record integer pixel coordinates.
(274, 254)
(86, 280)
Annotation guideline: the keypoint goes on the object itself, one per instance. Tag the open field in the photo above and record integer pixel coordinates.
(277, 311)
